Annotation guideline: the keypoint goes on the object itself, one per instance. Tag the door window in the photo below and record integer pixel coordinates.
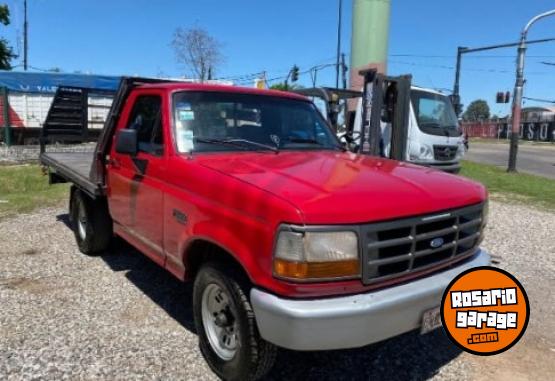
(146, 118)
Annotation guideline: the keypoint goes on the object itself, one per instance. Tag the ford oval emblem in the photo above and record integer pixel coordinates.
(437, 242)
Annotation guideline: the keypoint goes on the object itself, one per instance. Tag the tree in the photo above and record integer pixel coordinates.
(283, 86)
(6, 51)
(477, 110)
(198, 51)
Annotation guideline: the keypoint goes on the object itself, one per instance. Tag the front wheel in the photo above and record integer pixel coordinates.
(226, 327)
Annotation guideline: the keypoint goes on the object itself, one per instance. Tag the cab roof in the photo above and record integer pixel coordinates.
(188, 86)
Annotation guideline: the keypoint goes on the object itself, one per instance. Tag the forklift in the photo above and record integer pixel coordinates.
(383, 128)
(334, 100)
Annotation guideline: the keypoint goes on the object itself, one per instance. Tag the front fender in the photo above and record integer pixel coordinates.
(249, 244)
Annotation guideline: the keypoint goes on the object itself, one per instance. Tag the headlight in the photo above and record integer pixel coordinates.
(316, 255)
(421, 151)
(426, 152)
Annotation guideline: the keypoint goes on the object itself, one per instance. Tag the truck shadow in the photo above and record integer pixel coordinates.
(407, 357)
(173, 296)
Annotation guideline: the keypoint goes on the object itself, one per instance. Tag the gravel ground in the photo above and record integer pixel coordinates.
(67, 316)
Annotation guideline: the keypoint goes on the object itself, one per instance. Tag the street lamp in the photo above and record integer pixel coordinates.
(519, 85)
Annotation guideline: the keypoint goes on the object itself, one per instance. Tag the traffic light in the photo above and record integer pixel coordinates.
(295, 73)
(503, 97)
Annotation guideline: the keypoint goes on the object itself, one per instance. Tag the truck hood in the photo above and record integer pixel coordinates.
(331, 187)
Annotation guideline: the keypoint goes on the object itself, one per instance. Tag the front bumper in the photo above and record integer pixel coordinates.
(355, 320)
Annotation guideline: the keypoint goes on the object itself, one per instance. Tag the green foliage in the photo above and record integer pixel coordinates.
(520, 187)
(24, 188)
(6, 51)
(4, 15)
(285, 86)
(477, 110)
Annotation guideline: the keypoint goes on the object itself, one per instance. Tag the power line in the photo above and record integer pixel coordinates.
(467, 69)
(254, 75)
(539, 100)
(472, 57)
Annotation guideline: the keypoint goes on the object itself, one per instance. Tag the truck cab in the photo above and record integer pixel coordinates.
(289, 239)
(435, 138)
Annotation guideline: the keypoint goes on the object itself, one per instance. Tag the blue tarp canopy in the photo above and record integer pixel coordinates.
(48, 82)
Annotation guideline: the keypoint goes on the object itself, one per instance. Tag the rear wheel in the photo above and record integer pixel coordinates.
(224, 319)
(91, 223)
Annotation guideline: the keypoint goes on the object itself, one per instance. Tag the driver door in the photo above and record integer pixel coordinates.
(136, 183)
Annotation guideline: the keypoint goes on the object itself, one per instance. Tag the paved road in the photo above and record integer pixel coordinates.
(535, 159)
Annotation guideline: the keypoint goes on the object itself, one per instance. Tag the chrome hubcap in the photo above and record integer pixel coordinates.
(82, 221)
(219, 322)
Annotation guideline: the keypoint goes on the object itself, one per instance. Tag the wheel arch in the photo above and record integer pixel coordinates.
(202, 250)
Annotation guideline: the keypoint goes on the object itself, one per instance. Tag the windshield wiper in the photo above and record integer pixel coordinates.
(304, 140)
(314, 142)
(430, 124)
(237, 143)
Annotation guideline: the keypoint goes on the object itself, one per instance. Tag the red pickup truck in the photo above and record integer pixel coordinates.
(291, 240)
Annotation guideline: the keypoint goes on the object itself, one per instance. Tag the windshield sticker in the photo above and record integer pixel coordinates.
(185, 140)
(185, 115)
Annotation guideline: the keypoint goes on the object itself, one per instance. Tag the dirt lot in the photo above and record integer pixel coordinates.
(67, 316)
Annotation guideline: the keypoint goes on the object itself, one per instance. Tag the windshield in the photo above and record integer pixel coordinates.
(434, 113)
(213, 121)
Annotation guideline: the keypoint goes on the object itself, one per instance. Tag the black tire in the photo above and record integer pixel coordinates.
(254, 356)
(91, 223)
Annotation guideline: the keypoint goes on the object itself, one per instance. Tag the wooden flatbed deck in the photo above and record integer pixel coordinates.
(74, 167)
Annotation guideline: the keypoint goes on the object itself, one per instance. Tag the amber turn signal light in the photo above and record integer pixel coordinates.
(316, 270)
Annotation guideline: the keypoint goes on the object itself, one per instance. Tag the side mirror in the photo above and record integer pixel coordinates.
(126, 142)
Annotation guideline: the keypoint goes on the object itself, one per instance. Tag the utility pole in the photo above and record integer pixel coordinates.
(25, 46)
(519, 87)
(456, 93)
(343, 70)
(338, 43)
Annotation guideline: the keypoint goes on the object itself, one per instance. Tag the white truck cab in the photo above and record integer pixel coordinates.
(434, 136)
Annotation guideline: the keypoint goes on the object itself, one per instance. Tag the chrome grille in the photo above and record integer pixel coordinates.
(445, 153)
(395, 248)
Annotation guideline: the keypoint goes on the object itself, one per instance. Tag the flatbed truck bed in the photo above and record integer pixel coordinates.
(73, 167)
